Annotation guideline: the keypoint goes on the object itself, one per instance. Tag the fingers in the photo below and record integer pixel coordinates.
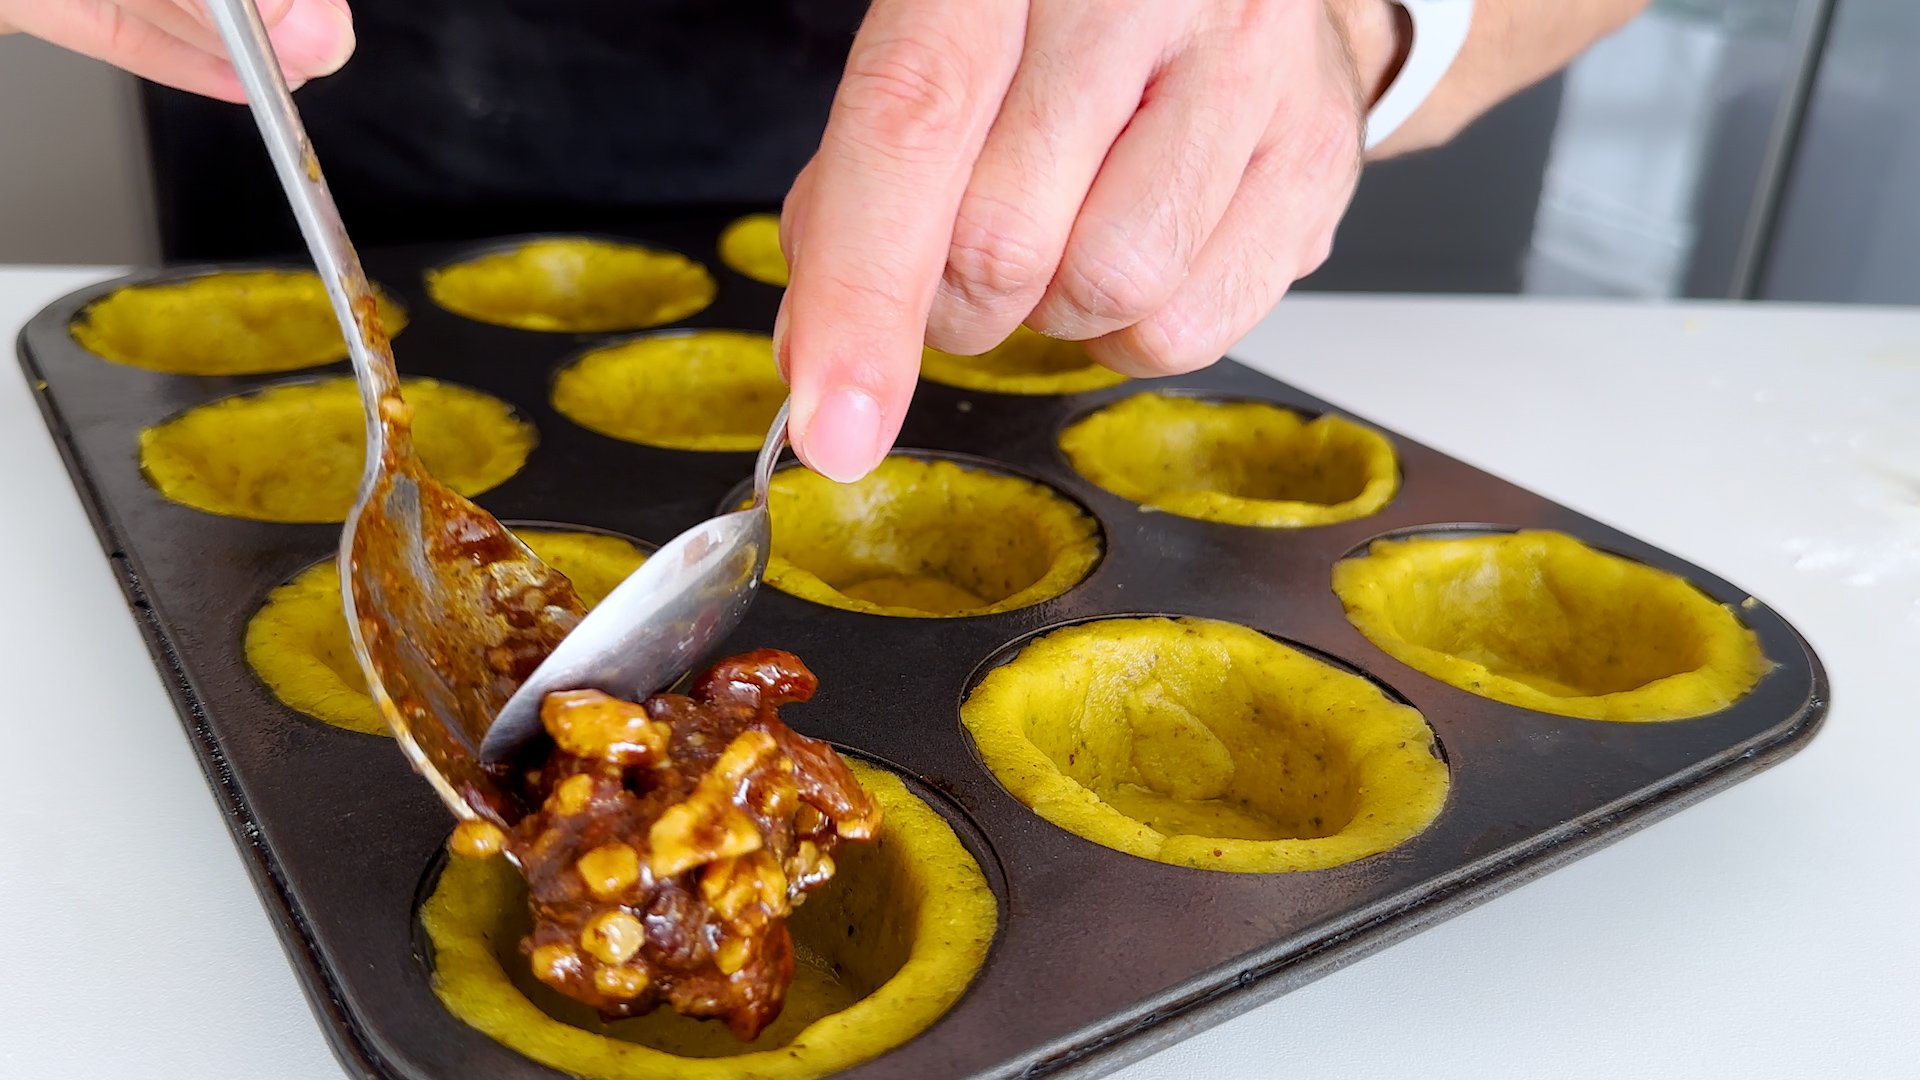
(1166, 182)
(174, 45)
(1152, 185)
(1077, 87)
(871, 234)
(112, 33)
(1277, 229)
(797, 198)
(179, 19)
(311, 38)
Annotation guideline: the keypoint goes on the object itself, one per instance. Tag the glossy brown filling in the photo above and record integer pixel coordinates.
(672, 840)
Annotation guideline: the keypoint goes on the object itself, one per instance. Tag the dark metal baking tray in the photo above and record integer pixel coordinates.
(1101, 957)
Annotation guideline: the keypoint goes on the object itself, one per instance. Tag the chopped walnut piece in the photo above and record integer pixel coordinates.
(477, 839)
(589, 724)
(674, 838)
(711, 824)
(609, 870)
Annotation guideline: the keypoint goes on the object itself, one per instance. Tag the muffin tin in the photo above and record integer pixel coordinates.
(1100, 957)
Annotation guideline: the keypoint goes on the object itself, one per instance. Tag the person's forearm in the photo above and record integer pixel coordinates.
(1512, 45)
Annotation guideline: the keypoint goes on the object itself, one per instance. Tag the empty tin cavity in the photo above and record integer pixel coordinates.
(1025, 363)
(237, 322)
(927, 538)
(297, 642)
(883, 951)
(1237, 462)
(573, 285)
(295, 452)
(751, 247)
(1540, 620)
(685, 390)
(1205, 744)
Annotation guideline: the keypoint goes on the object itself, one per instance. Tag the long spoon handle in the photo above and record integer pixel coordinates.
(299, 171)
(770, 454)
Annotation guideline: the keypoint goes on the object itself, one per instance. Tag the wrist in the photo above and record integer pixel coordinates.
(1378, 34)
(1439, 30)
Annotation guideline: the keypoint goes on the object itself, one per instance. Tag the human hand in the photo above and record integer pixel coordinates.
(175, 42)
(1147, 177)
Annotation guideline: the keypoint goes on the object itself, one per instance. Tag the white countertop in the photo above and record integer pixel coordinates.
(1772, 931)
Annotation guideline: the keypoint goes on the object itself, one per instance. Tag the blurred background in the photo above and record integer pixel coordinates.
(1749, 149)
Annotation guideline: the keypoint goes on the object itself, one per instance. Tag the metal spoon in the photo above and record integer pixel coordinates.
(458, 627)
(667, 615)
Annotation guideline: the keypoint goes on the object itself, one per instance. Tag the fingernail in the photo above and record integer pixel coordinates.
(315, 38)
(780, 342)
(841, 440)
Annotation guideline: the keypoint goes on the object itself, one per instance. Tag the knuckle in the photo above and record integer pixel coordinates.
(1171, 344)
(1120, 285)
(990, 260)
(1318, 251)
(1327, 143)
(1150, 349)
(910, 91)
(955, 328)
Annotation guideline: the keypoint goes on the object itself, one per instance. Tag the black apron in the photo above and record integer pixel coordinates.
(462, 119)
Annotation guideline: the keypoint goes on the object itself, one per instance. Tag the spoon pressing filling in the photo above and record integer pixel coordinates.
(671, 840)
